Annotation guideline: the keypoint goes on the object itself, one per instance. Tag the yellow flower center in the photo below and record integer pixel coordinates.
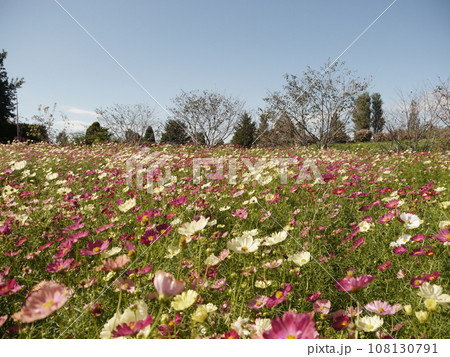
(163, 231)
(259, 303)
(290, 337)
(380, 309)
(369, 327)
(244, 249)
(49, 303)
(60, 266)
(96, 249)
(132, 325)
(278, 294)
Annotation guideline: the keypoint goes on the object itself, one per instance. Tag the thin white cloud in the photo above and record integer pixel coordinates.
(71, 125)
(82, 111)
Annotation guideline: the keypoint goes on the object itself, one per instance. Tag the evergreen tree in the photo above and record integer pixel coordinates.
(378, 120)
(262, 134)
(96, 134)
(175, 133)
(361, 113)
(8, 90)
(149, 136)
(245, 132)
(413, 116)
(62, 138)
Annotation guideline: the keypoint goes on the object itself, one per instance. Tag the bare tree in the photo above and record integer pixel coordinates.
(320, 104)
(127, 122)
(416, 120)
(207, 114)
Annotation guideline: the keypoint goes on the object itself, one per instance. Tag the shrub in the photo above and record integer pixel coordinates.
(363, 135)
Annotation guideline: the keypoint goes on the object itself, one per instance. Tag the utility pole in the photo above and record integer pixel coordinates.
(17, 115)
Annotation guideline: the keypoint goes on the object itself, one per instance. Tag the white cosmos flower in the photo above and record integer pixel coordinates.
(444, 225)
(244, 245)
(51, 176)
(411, 220)
(172, 251)
(364, 226)
(212, 260)
(275, 238)
(240, 326)
(127, 205)
(184, 300)
(252, 233)
(369, 323)
(300, 258)
(433, 292)
(261, 325)
(262, 284)
(19, 165)
(402, 240)
(190, 228)
(111, 252)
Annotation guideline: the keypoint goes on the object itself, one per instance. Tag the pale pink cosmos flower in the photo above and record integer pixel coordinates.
(258, 302)
(322, 306)
(117, 263)
(292, 326)
(3, 319)
(50, 297)
(125, 284)
(382, 308)
(166, 285)
(272, 265)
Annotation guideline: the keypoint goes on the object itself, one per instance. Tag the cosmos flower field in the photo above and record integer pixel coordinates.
(114, 241)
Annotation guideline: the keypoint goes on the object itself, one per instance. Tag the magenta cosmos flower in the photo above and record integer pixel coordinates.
(350, 283)
(132, 328)
(166, 285)
(40, 304)
(292, 326)
(93, 248)
(382, 308)
(59, 265)
(278, 297)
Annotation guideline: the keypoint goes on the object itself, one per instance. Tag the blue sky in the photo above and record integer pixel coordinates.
(242, 48)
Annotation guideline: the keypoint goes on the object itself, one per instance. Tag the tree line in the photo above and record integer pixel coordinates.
(319, 107)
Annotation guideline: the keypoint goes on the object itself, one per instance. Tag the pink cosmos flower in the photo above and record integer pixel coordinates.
(132, 328)
(443, 236)
(399, 250)
(219, 284)
(125, 285)
(418, 238)
(385, 265)
(240, 213)
(382, 308)
(350, 283)
(322, 306)
(166, 285)
(292, 326)
(116, 263)
(258, 302)
(278, 297)
(43, 302)
(314, 296)
(386, 218)
(64, 249)
(94, 248)
(10, 287)
(391, 204)
(59, 265)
